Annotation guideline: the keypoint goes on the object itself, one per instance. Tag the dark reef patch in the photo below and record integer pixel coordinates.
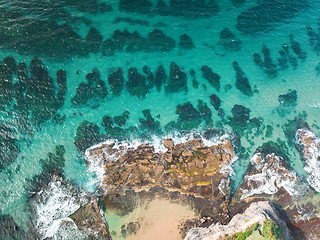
(134, 42)
(267, 14)
(94, 40)
(53, 40)
(88, 134)
(177, 8)
(148, 123)
(137, 83)
(269, 67)
(158, 41)
(177, 79)
(54, 161)
(290, 128)
(186, 42)
(205, 113)
(215, 101)
(93, 89)
(289, 99)
(137, 6)
(40, 94)
(116, 82)
(212, 77)
(160, 78)
(189, 117)
(242, 82)
(122, 119)
(229, 41)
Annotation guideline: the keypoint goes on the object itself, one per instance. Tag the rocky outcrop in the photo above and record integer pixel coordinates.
(306, 229)
(195, 175)
(262, 213)
(90, 219)
(268, 174)
(188, 174)
(309, 146)
(60, 209)
(190, 167)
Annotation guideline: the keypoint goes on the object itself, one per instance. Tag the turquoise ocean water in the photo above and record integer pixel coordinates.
(205, 34)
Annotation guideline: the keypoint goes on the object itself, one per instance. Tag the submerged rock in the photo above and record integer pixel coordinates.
(139, 6)
(54, 40)
(186, 42)
(297, 49)
(116, 82)
(54, 161)
(150, 77)
(149, 123)
(137, 84)
(267, 15)
(205, 113)
(87, 135)
(134, 42)
(189, 118)
(257, 60)
(161, 78)
(10, 63)
(94, 89)
(289, 99)
(242, 82)
(268, 66)
(213, 78)
(94, 40)
(215, 101)
(177, 79)
(120, 120)
(158, 41)
(229, 41)
(241, 115)
(62, 85)
(40, 94)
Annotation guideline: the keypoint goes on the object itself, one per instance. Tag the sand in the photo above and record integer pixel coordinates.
(159, 220)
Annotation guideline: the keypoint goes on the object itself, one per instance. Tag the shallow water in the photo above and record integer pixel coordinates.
(205, 34)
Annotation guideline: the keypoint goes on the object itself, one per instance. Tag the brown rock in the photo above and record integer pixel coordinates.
(89, 219)
(168, 143)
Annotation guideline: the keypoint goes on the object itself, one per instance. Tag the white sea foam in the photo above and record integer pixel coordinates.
(54, 204)
(312, 156)
(269, 179)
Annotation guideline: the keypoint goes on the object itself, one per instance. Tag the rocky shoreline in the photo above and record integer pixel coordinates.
(199, 176)
(190, 184)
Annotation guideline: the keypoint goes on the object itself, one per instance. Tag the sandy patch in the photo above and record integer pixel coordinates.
(159, 220)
